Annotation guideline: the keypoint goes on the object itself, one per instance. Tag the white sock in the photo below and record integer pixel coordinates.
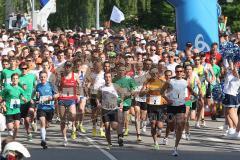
(43, 133)
(10, 132)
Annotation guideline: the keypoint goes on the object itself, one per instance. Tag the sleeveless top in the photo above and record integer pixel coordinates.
(68, 88)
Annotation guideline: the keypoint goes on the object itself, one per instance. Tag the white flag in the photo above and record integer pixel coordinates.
(117, 15)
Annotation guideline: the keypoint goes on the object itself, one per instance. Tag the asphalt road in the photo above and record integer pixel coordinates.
(205, 144)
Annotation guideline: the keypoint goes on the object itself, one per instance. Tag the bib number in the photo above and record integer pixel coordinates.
(155, 100)
(45, 100)
(66, 92)
(15, 103)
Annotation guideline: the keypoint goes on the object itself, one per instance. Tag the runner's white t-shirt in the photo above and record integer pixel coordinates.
(109, 97)
(178, 92)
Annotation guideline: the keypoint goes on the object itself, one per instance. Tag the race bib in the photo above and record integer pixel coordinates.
(45, 100)
(66, 92)
(15, 103)
(155, 100)
(141, 99)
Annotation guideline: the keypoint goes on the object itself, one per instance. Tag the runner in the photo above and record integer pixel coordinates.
(130, 85)
(45, 93)
(11, 96)
(140, 105)
(28, 82)
(110, 99)
(69, 90)
(177, 107)
(155, 88)
(7, 73)
(94, 82)
(194, 93)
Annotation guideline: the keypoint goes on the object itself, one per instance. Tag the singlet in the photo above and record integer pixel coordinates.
(140, 79)
(68, 88)
(178, 93)
(109, 97)
(154, 96)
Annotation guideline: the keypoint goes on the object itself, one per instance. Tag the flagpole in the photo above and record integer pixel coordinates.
(97, 15)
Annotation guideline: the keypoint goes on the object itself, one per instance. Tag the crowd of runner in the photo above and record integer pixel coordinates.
(123, 75)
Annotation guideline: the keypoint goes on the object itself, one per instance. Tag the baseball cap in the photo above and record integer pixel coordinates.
(188, 44)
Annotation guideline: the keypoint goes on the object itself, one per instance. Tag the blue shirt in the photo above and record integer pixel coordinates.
(45, 91)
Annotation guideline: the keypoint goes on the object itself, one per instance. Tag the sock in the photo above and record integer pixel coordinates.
(10, 132)
(43, 133)
(74, 129)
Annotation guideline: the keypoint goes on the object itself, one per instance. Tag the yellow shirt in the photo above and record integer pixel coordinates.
(156, 89)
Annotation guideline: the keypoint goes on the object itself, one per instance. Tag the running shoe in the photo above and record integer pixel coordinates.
(29, 137)
(165, 141)
(34, 126)
(139, 139)
(94, 132)
(188, 137)
(74, 135)
(120, 141)
(184, 136)
(81, 128)
(109, 146)
(197, 125)
(126, 132)
(65, 142)
(175, 153)
(144, 129)
(44, 144)
(101, 133)
(156, 146)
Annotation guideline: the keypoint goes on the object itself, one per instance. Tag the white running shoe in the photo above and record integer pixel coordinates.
(188, 138)
(165, 141)
(184, 136)
(144, 129)
(175, 153)
(65, 142)
(197, 126)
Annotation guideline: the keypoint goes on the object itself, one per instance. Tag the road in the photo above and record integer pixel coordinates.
(205, 144)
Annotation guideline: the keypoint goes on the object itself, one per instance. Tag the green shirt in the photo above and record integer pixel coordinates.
(29, 80)
(7, 73)
(126, 83)
(217, 72)
(12, 95)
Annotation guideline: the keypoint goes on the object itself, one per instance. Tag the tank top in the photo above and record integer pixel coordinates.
(153, 96)
(68, 88)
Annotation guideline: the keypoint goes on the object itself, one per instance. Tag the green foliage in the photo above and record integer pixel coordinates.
(232, 11)
(142, 13)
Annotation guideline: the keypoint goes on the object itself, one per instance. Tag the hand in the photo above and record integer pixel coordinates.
(24, 100)
(32, 101)
(24, 87)
(98, 105)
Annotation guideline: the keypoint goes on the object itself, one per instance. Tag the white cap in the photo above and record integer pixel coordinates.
(143, 41)
(11, 39)
(2, 45)
(4, 38)
(45, 40)
(51, 49)
(16, 146)
(5, 51)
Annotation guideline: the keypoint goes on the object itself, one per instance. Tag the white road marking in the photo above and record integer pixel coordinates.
(215, 139)
(109, 155)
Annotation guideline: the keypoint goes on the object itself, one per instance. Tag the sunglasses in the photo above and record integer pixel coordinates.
(24, 68)
(152, 50)
(197, 59)
(179, 71)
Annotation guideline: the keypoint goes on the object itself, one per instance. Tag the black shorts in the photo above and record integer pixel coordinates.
(194, 106)
(208, 91)
(176, 109)
(48, 114)
(25, 108)
(109, 115)
(142, 105)
(156, 112)
(93, 101)
(13, 117)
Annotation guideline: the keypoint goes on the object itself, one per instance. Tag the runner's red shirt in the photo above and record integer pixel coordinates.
(217, 55)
